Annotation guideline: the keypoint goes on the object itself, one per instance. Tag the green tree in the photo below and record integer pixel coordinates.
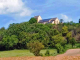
(51, 33)
(69, 37)
(23, 39)
(32, 20)
(59, 48)
(73, 41)
(2, 33)
(59, 39)
(10, 41)
(35, 47)
(64, 30)
(2, 46)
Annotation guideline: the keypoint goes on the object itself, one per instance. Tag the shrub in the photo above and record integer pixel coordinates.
(41, 54)
(73, 41)
(47, 53)
(35, 47)
(59, 48)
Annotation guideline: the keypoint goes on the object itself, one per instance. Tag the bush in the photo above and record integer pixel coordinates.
(47, 53)
(68, 46)
(78, 45)
(41, 54)
(35, 47)
(73, 41)
(59, 48)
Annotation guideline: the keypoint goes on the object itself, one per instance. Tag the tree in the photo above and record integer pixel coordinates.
(2, 33)
(69, 37)
(35, 47)
(59, 48)
(73, 42)
(59, 39)
(64, 30)
(10, 41)
(32, 20)
(61, 20)
(2, 29)
(23, 39)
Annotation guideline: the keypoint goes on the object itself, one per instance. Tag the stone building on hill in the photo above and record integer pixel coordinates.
(44, 21)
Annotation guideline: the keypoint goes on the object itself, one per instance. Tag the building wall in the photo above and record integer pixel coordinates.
(56, 21)
(53, 22)
(39, 18)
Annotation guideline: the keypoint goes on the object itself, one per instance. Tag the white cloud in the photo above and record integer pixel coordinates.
(16, 7)
(65, 18)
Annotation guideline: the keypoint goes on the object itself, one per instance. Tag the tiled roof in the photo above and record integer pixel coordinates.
(47, 20)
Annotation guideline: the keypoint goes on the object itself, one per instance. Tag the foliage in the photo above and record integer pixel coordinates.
(52, 52)
(35, 48)
(10, 41)
(18, 35)
(47, 53)
(73, 42)
(58, 39)
(32, 20)
(64, 30)
(59, 48)
(69, 37)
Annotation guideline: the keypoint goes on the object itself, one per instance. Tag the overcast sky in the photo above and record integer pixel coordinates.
(17, 11)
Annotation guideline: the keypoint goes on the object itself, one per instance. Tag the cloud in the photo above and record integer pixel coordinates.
(65, 18)
(14, 7)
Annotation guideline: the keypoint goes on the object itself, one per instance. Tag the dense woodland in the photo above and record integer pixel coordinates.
(27, 34)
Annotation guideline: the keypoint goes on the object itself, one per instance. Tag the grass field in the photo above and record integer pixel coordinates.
(17, 53)
(53, 52)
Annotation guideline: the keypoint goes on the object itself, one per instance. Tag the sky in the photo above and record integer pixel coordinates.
(17, 11)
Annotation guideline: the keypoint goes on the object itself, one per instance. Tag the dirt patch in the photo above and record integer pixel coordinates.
(72, 54)
(43, 58)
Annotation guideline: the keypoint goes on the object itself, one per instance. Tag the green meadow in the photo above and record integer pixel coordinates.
(18, 53)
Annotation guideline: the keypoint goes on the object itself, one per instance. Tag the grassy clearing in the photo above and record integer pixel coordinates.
(53, 52)
(17, 53)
